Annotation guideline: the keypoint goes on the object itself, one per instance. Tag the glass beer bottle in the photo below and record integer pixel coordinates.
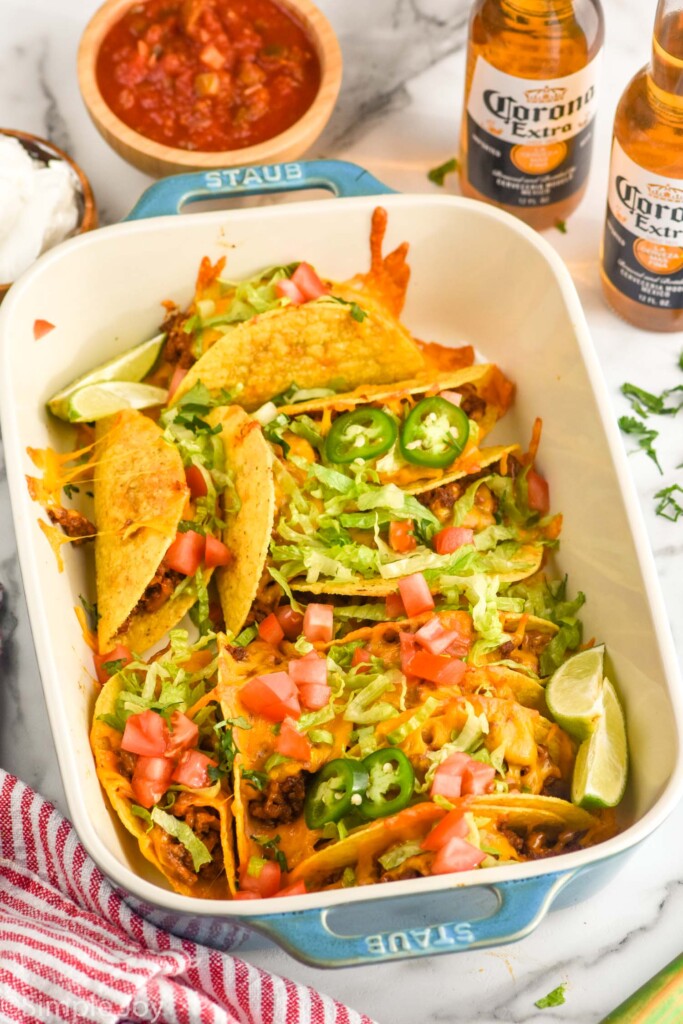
(530, 104)
(642, 251)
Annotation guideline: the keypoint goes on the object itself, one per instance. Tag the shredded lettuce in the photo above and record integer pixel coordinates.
(547, 599)
(420, 716)
(184, 834)
(395, 857)
(364, 707)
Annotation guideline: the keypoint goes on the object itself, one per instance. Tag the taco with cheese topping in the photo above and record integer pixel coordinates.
(315, 722)
(156, 739)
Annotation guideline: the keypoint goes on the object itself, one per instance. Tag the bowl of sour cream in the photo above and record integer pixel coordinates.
(44, 198)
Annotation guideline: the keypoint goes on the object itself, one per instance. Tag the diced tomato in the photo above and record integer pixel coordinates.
(286, 289)
(178, 374)
(453, 537)
(454, 824)
(314, 697)
(451, 396)
(477, 778)
(292, 743)
(408, 651)
(394, 606)
(183, 734)
(151, 779)
(452, 672)
(297, 889)
(415, 594)
(41, 328)
(118, 653)
(186, 553)
(447, 779)
(196, 482)
(292, 622)
(216, 552)
(145, 733)
(538, 492)
(263, 879)
(456, 855)
(437, 668)
(192, 769)
(434, 638)
(309, 670)
(459, 622)
(308, 282)
(246, 895)
(319, 622)
(270, 630)
(361, 659)
(401, 536)
(274, 696)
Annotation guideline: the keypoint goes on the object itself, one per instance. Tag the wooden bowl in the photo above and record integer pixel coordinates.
(42, 149)
(158, 160)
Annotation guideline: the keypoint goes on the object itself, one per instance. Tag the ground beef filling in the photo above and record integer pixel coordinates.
(156, 593)
(282, 802)
(206, 825)
(178, 348)
(471, 403)
(73, 523)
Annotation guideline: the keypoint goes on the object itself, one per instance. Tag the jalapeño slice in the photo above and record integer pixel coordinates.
(391, 781)
(329, 795)
(434, 433)
(361, 434)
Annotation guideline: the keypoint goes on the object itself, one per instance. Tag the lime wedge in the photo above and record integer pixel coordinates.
(99, 400)
(132, 365)
(574, 693)
(601, 765)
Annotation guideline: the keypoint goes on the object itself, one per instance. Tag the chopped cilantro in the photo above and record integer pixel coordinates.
(561, 226)
(112, 668)
(680, 360)
(668, 507)
(90, 610)
(258, 780)
(438, 174)
(644, 402)
(273, 845)
(356, 311)
(226, 749)
(644, 437)
(554, 998)
(70, 490)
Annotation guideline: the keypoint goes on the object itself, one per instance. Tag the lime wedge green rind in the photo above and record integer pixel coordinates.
(574, 694)
(132, 365)
(99, 400)
(601, 768)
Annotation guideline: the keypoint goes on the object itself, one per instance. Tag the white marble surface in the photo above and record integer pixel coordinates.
(398, 115)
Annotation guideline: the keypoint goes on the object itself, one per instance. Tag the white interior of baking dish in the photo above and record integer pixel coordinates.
(477, 277)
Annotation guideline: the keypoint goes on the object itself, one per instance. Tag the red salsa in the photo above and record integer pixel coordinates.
(208, 74)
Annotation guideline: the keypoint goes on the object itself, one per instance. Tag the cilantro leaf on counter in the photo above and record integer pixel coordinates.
(561, 226)
(438, 174)
(668, 507)
(680, 360)
(644, 402)
(554, 998)
(643, 436)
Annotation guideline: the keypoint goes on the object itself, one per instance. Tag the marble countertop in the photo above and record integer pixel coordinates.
(398, 116)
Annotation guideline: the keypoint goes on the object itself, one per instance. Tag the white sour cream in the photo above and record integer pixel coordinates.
(38, 207)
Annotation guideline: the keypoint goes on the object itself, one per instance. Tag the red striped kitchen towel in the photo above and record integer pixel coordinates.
(71, 950)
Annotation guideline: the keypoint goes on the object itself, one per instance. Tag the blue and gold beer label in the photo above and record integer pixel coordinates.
(530, 140)
(643, 244)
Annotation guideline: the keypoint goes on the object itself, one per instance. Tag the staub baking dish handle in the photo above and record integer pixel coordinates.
(343, 179)
(507, 911)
